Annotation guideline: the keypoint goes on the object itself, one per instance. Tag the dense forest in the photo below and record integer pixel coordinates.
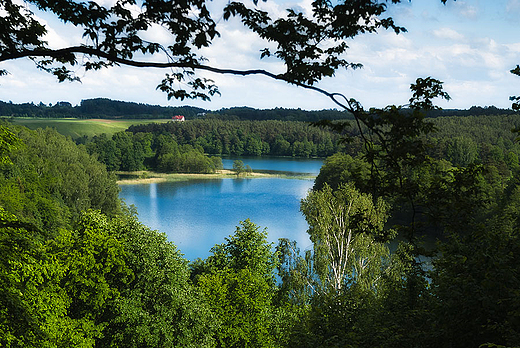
(183, 147)
(125, 151)
(250, 138)
(79, 269)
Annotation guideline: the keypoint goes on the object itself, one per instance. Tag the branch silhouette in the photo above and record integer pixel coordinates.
(60, 53)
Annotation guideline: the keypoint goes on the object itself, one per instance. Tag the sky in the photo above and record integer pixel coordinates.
(469, 45)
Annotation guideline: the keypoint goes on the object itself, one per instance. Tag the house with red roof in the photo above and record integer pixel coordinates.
(178, 118)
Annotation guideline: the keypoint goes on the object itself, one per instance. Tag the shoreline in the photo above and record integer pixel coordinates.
(149, 177)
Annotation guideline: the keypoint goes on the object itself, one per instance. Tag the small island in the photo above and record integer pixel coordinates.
(149, 177)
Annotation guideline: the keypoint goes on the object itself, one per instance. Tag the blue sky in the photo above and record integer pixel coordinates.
(469, 45)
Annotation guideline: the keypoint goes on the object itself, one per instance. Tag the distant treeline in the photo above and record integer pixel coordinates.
(107, 108)
(460, 140)
(472, 111)
(97, 108)
(281, 114)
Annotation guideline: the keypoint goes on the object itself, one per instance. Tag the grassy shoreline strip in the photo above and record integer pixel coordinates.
(148, 177)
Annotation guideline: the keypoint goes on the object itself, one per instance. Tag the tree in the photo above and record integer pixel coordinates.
(106, 150)
(349, 280)
(238, 281)
(32, 307)
(95, 270)
(52, 180)
(8, 142)
(54, 291)
(347, 231)
(281, 146)
(157, 305)
(474, 283)
(462, 151)
(341, 168)
(109, 282)
(238, 167)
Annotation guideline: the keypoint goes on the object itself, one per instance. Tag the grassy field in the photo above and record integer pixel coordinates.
(79, 127)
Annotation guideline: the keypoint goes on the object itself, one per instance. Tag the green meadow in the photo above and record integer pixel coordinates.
(77, 128)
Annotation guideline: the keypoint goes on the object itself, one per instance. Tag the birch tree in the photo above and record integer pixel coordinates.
(346, 228)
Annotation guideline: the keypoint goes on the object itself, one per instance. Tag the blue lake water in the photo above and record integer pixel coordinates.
(198, 214)
(287, 164)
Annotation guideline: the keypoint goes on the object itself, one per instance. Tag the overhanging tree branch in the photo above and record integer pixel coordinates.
(65, 52)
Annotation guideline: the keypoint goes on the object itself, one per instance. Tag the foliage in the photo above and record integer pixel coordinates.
(466, 203)
(95, 270)
(342, 168)
(32, 308)
(252, 138)
(394, 140)
(353, 288)
(103, 108)
(491, 134)
(108, 282)
(130, 152)
(71, 276)
(106, 108)
(462, 151)
(52, 180)
(54, 290)
(239, 167)
(157, 306)
(474, 284)
(347, 232)
(279, 114)
(238, 282)
(8, 142)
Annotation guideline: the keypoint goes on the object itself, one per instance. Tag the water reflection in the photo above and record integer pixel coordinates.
(284, 164)
(154, 209)
(198, 214)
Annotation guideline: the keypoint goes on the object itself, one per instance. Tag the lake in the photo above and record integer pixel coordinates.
(280, 164)
(198, 214)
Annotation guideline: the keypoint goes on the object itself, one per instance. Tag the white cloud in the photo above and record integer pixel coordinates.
(56, 40)
(448, 33)
(157, 33)
(106, 3)
(479, 93)
(513, 47)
